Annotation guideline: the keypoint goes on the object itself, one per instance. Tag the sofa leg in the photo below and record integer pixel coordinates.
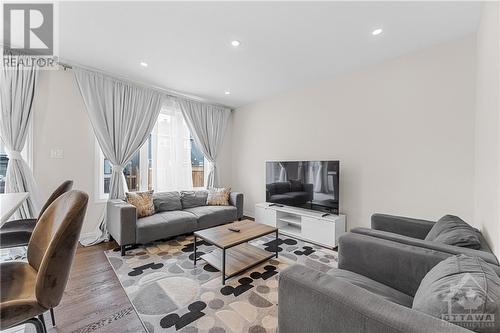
(239, 218)
(122, 250)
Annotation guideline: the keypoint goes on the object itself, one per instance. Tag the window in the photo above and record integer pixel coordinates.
(134, 176)
(131, 172)
(168, 161)
(197, 165)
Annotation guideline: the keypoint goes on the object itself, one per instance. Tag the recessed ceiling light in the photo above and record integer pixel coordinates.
(144, 64)
(377, 32)
(227, 92)
(235, 43)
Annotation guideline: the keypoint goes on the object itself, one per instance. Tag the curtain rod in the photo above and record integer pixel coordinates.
(171, 93)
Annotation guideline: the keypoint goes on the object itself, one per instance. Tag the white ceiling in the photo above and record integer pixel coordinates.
(285, 45)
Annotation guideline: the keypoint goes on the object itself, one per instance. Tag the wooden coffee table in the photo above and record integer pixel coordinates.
(234, 254)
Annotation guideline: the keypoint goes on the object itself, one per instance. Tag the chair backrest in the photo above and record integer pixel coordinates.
(53, 245)
(61, 189)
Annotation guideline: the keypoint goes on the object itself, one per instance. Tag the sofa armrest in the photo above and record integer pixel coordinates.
(400, 266)
(236, 199)
(121, 218)
(406, 226)
(312, 301)
(450, 250)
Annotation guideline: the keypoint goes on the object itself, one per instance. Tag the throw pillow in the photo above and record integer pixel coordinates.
(452, 230)
(218, 196)
(143, 202)
(464, 291)
(190, 199)
(167, 201)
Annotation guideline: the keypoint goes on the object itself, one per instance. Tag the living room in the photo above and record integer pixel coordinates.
(250, 167)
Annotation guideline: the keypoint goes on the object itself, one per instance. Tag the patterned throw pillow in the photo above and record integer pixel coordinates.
(218, 196)
(143, 202)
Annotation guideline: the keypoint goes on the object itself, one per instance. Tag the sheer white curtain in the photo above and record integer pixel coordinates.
(171, 151)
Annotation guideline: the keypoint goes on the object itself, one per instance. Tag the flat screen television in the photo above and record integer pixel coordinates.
(306, 184)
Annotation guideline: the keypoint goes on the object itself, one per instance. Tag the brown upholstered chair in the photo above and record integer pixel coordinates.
(28, 289)
(18, 232)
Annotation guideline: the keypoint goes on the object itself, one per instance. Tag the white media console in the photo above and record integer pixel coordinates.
(305, 224)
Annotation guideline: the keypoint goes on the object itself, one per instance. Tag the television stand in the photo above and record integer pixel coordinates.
(309, 225)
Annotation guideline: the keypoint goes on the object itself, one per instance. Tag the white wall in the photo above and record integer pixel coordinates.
(487, 158)
(61, 122)
(403, 131)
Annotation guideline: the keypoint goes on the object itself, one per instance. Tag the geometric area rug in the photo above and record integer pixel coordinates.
(170, 294)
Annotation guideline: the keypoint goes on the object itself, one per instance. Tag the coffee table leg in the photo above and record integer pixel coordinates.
(223, 266)
(276, 243)
(195, 250)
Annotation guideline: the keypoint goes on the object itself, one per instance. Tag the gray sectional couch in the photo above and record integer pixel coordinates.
(176, 213)
(372, 290)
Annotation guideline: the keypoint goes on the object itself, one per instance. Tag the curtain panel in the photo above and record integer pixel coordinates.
(122, 116)
(17, 90)
(207, 124)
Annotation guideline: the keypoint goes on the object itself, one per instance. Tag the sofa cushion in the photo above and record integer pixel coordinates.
(462, 285)
(167, 201)
(452, 230)
(211, 216)
(372, 286)
(143, 202)
(164, 225)
(191, 199)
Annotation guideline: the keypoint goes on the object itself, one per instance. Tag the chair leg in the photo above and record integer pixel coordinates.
(39, 327)
(40, 317)
(53, 317)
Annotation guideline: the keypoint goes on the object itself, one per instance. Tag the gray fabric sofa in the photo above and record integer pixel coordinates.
(371, 291)
(412, 231)
(176, 213)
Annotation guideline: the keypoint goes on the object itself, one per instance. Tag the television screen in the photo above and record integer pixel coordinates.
(306, 184)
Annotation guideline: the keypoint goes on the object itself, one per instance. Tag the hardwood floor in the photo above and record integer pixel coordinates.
(94, 300)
